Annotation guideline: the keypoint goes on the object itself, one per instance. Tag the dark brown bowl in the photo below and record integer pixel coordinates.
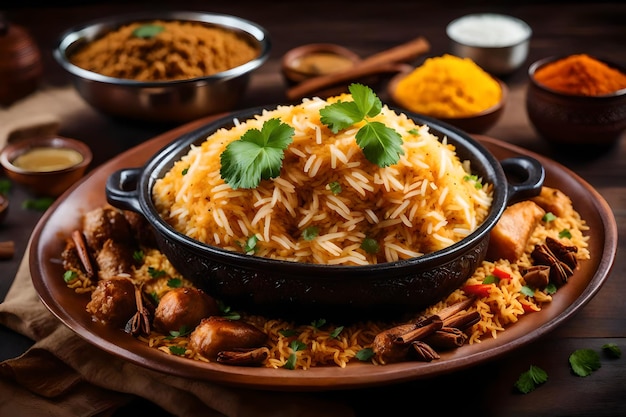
(566, 119)
(50, 183)
(292, 289)
(478, 123)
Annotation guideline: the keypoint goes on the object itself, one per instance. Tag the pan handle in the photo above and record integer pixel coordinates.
(121, 189)
(525, 176)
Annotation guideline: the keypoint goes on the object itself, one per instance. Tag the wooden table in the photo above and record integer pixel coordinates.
(366, 28)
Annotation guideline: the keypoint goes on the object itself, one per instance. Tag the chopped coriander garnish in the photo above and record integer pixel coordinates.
(174, 282)
(178, 350)
(148, 31)
(69, 276)
(5, 186)
(40, 204)
(491, 279)
(250, 244)
(612, 350)
(155, 273)
(226, 311)
(584, 361)
(335, 187)
(370, 245)
(257, 155)
(380, 144)
(310, 233)
(548, 217)
(565, 233)
(335, 333)
(318, 323)
(183, 331)
(295, 346)
(414, 131)
(530, 379)
(527, 291)
(477, 184)
(550, 288)
(154, 297)
(185, 171)
(138, 256)
(364, 354)
(288, 332)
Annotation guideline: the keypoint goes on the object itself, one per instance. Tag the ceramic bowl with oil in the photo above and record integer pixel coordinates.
(46, 166)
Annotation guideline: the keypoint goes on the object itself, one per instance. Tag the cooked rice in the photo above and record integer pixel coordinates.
(503, 307)
(422, 204)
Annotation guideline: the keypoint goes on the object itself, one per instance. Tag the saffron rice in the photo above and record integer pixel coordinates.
(424, 203)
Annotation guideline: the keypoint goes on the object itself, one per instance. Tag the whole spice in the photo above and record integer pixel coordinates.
(448, 86)
(581, 74)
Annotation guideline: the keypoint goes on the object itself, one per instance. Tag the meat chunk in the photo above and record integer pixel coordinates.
(216, 334)
(114, 258)
(509, 237)
(113, 301)
(105, 223)
(183, 308)
(553, 201)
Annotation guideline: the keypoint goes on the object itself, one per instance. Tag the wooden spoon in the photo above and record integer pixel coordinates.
(390, 60)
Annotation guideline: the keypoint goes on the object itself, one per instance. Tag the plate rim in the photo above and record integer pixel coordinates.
(355, 375)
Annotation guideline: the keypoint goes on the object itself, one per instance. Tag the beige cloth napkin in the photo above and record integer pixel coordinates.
(63, 375)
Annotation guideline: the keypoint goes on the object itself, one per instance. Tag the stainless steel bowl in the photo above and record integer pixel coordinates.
(163, 101)
(497, 43)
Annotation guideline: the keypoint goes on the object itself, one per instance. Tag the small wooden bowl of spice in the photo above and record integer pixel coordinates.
(315, 59)
(577, 100)
(47, 166)
(451, 89)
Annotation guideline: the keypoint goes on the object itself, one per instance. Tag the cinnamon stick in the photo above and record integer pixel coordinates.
(419, 332)
(447, 338)
(7, 249)
(391, 60)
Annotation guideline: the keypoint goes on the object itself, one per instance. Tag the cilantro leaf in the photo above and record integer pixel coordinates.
(257, 155)
(364, 354)
(381, 145)
(340, 115)
(529, 380)
(612, 350)
(584, 361)
(148, 31)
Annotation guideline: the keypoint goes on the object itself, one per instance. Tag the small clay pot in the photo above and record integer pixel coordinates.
(20, 63)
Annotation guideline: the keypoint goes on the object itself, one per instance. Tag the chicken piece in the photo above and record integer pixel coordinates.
(113, 301)
(105, 223)
(509, 237)
(554, 201)
(183, 308)
(216, 334)
(114, 258)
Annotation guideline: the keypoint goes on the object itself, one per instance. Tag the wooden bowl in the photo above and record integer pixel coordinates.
(575, 120)
(315, 59)
(71, 159)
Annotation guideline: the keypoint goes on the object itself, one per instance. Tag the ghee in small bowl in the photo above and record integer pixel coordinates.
(46, 166)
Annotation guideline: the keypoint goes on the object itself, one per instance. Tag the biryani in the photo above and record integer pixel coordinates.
(421, 200)
(329, 198)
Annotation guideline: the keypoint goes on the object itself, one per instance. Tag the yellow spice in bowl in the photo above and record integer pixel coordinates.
(448, 86)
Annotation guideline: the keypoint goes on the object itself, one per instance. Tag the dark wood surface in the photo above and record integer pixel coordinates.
(368, 27)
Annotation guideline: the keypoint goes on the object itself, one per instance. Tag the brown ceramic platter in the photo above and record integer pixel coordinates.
(63, 217)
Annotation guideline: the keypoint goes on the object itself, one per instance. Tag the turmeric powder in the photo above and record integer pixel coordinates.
(581, 74)
(448, 86)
